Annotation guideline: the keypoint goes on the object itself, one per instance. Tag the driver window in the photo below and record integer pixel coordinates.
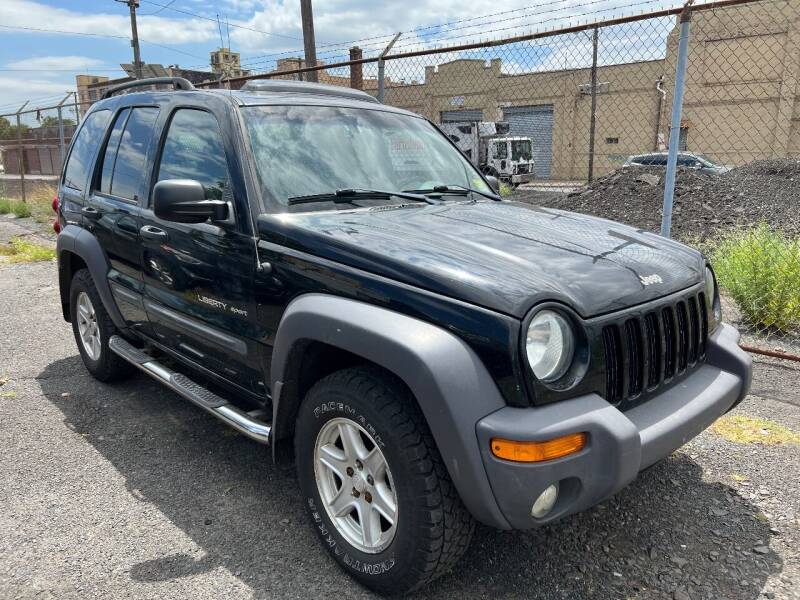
(193, 149)
(501, 149)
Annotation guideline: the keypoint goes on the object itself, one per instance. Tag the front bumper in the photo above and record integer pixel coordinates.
(620, 444)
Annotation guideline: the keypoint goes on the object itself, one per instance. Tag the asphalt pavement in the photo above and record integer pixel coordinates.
(127, 491)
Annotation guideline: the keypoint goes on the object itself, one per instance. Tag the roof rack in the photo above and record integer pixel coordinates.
(302, 87)
(179, 82)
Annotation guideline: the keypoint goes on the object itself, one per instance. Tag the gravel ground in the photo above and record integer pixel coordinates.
(126, 490)
(705, 205)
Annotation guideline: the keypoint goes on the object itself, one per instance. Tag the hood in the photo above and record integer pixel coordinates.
(505, 256)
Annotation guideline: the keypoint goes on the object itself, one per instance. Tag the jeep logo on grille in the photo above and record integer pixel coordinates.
(650, 279)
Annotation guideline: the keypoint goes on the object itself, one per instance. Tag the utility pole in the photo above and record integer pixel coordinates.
(137, 61)
(307, 15)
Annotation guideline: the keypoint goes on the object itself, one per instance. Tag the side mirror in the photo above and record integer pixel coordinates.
(184, 201)
(494, 183)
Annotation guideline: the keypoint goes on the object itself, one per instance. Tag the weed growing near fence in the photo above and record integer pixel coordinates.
(760, 269)
(19, 251)
(20, 209)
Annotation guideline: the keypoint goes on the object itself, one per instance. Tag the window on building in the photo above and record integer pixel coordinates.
(612, 140)
(194, 150)
(83, 149)
(129, 165)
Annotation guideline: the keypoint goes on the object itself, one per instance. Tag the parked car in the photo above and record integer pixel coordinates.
(332, 277)
(687, 160)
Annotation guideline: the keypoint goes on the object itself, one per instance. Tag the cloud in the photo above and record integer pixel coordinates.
(159, 29)
(57, 63)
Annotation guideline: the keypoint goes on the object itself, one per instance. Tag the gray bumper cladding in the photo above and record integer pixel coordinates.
(619, 444)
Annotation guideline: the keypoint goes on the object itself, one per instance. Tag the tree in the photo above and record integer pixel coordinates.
(51, 121)
(9, 131)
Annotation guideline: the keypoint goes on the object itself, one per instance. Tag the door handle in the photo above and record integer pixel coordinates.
(126, 226)
(149, 232)
(91, 213)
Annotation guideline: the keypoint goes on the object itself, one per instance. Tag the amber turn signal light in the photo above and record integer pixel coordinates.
(538, 451)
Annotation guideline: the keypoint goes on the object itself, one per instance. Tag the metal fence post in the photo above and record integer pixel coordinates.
(381, 64)
(675, 128)
(77, 108)
(21, 152)
(61, 129)
(593, 118)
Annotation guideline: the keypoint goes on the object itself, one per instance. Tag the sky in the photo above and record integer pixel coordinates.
(40, 64)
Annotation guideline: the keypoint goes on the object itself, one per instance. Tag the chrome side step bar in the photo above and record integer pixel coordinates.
(246, 423)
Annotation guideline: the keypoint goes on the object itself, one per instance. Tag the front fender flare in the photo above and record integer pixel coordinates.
(78, 241)
(448, 380)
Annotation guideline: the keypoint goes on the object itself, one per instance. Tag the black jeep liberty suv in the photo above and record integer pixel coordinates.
(332, 277)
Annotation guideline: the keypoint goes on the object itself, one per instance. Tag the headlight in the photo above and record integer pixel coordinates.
(712, 301)
(550, 345)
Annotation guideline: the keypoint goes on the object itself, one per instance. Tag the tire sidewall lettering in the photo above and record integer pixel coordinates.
(336, 408)
(340, 550)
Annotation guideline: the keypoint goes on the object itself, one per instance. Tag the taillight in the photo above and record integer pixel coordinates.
(57, 222)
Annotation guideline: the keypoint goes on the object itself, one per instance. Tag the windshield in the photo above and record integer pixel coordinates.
(521, 150)
(307, 150)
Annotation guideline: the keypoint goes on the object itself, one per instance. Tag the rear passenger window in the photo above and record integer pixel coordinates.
(194, 150)
(110, 154)
(80, 158)
(129, 166)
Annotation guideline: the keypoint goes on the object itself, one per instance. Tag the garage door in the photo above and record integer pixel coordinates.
(461, 116)
(535, 122)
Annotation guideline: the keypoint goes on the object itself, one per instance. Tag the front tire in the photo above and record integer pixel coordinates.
(93, 328)
(365, 455)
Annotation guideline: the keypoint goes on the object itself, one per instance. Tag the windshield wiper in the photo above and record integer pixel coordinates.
(346, 196)
(459, 190)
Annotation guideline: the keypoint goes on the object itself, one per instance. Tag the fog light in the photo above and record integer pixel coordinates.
(545, 502)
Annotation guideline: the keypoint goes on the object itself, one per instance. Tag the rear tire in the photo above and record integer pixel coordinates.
(93, 327)
(431, 529)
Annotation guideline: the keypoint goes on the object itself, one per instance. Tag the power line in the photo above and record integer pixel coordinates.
(102, 35)
(445, 38)
(388, 36)
(168, 4)
(87, 69)
(187, 12)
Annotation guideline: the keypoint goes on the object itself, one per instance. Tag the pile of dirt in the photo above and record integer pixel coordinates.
(761, 191)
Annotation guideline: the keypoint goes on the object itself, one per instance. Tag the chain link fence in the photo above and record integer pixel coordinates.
(580, 117)
(33, 143)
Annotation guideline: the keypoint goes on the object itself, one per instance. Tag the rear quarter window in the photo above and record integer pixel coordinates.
(130, 165)
(84, 149)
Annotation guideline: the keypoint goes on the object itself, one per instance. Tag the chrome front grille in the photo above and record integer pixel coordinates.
(649, 350)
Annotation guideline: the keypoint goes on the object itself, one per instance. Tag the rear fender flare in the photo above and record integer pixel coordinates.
(448, 380)
(80, 242)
